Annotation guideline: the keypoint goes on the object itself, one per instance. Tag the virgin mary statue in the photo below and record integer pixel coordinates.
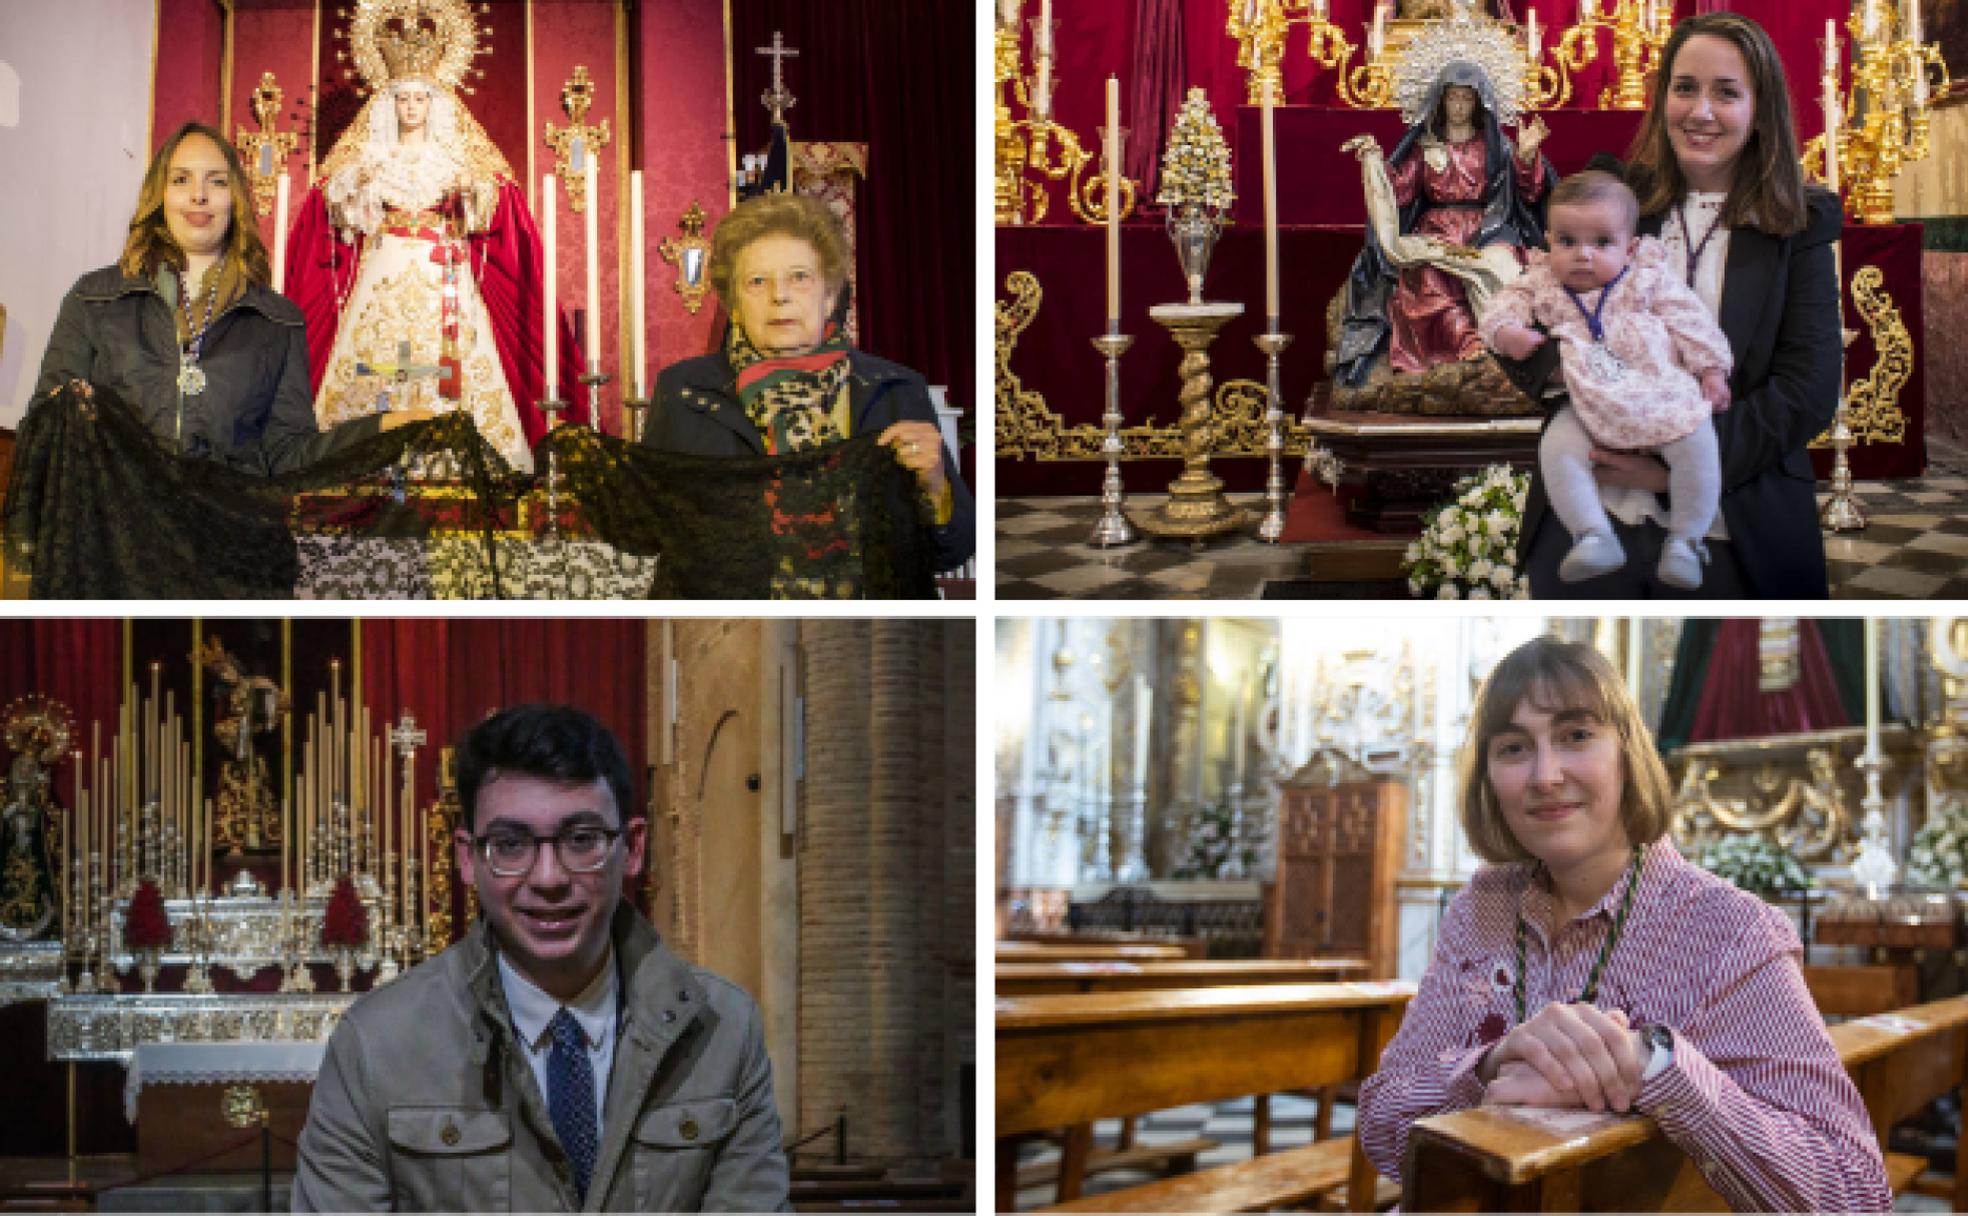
(414, 258)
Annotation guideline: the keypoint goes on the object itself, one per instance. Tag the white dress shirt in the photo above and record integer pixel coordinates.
(595, 1012)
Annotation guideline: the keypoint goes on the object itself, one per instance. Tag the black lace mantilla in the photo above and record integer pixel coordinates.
(99, 508)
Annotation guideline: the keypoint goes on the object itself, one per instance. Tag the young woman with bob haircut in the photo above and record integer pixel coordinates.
(1590, 965)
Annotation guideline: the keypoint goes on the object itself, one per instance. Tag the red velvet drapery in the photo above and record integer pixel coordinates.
(450, 672)
(1098, 37)
(896, 75)
(1733, 707)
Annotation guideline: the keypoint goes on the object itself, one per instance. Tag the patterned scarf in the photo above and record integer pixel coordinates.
(793, 401)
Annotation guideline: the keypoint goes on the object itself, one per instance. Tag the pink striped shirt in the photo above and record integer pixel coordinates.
(1755, 1096)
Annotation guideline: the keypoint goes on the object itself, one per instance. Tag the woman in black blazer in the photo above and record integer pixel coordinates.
(1716, 163)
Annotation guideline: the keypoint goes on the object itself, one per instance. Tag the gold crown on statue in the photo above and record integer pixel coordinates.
(434, 40)
(410, 48)
(1465, 37)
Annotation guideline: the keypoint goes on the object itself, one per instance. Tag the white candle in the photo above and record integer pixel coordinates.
(550, 331)
(1377, 40)
(1319, 8)
(1144, 706)
(1872, 685)
(1869, 21)
(1270, 208)
(1008, 12)
(1237, 742)
(1914, 31)
(1042, 91)
(1831, 47)
(1920, 85)
(638, 288)
(594, 270)
(1533, 37)
(280, 235)
(1589, 10)
(1113, 204)
(1045, 28)
(1834, 120)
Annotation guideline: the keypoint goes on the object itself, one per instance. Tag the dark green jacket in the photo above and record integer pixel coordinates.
(425, 1101)
(257, 411)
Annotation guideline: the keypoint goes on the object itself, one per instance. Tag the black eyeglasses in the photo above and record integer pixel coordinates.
(582, 850)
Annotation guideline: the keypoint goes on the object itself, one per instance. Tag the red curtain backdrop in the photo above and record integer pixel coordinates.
(1733, 707)
(898, 76)
(450, 672)
(1099, 37)
(1159, 81)
(189, 58)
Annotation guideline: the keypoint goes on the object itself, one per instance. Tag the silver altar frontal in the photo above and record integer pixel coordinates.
(110, 1026)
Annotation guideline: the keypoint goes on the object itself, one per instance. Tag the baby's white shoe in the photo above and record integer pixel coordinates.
(1594, 553)
(1681, 562)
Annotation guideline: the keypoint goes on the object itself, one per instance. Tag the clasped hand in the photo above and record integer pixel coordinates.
(918, 447)
(1569, 1056)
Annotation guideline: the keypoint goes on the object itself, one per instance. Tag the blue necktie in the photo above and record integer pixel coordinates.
(571, 1097)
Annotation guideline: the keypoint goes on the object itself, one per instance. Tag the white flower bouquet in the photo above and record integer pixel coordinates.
(1939, 856)
(1468, 546)
(1756, 865)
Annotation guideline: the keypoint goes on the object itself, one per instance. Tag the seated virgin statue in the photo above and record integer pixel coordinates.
(1451, 211)
(416, 242)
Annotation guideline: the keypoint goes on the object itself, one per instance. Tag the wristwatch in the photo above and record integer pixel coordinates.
(1660, 1044)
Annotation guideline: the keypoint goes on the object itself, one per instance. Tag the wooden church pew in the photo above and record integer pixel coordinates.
(1487, 1160)
(1067, 1060)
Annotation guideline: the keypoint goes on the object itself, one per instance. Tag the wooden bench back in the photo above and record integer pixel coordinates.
(1039, 952)
(1074, 1058)
(1856, 992)
(1487, 1160)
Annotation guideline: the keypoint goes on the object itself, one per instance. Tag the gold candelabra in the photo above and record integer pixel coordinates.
(1639, 30)
(1260, 28)
(1035, 150)
(1881, 122)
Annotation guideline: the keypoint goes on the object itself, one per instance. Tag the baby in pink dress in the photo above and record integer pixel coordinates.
(1644, 362)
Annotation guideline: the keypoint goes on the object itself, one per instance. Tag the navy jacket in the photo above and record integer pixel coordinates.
(697, 411)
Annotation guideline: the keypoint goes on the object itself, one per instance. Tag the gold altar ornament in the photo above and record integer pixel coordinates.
(1033, 151)
(266, 150)
(1466, 37)
(433, 40)
(1639, 30)
(242, 1107)
(690, 256)
(1027, 428)
(578, 140)
(1881, 122)
(1872, 410)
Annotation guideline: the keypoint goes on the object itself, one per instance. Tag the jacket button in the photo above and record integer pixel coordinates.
(669, 1015)
(449, 1134)
(688, 1130)
(683, 994)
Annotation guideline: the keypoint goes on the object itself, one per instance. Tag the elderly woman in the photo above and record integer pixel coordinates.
(184, 327)
(788, 381)
(1592, 966)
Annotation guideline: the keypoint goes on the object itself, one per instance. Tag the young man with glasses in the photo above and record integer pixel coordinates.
(560, 1057)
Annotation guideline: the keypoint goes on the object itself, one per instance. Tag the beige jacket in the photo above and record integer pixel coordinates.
(425, 1100)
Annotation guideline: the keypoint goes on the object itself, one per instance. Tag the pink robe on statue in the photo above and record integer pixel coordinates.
(1429, 312)
(506, 262)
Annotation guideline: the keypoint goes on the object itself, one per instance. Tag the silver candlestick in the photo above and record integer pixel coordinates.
(553, 408)
(1273, 345)
(594, 378)
(1113, 528)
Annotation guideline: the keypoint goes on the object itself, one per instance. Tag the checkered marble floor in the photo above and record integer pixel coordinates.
(1914, 546)
(1229, 1123)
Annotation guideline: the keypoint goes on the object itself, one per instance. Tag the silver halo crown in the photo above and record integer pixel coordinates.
(1466, 38)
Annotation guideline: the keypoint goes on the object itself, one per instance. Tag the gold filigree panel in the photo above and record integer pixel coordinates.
(1799, 790)
(1872, 407)
(1027, 428)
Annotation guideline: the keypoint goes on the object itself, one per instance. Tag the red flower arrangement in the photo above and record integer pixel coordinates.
(346, 923)
(147, 927)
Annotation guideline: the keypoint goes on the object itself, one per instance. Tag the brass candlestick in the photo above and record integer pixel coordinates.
(1196, 508)
(637, 410)
(1112, 528)
(1884, 116)
(1273, 345)
(1033, 151)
